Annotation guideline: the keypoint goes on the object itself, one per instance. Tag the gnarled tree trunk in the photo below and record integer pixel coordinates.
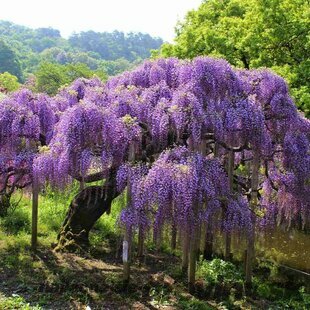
(85, 209)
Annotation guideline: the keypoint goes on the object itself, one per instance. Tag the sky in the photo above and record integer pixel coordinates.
(156, 17)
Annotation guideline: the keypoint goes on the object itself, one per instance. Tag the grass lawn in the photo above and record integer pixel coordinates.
(51, 280)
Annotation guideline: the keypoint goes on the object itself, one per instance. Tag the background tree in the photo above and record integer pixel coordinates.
(95, 49)
(50, 77)
(114, 45)
(8, 61)
(8, 82)
(114, 67)
(251, 34)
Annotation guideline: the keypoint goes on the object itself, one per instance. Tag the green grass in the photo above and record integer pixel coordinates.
(47, 279)
(16, 302)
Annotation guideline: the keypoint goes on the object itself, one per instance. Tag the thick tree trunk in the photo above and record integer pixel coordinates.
(85, 209)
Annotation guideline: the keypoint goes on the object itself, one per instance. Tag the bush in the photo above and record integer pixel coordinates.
(219, 271)
(16, 302)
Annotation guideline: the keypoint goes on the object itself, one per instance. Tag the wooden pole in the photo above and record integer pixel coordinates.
(173, 240)
(251, 235)
(158, 236)
(126, 256)
(35, 203)
(192, 261)
(198, 241)
(185, 250)
(173, 236)
(195, 234)
(230, 171)
(127, 243)
(140, 242)
(208, 250)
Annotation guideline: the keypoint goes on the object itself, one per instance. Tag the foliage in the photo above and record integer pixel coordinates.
(16, 221)
(193, 304)
(50, 77)
(90, 127)
(9, 61)
(112, 52)
(16, 302)
(218, 271)
(8, 82)
(114, 67)
(115, 45)
(251, 34)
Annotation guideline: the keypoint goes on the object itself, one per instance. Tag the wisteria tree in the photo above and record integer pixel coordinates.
(194, 143)
(26, 123)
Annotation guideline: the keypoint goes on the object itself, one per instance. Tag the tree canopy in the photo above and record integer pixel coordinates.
(115, 45)
(165, 104)
(8, 82)
(251, 34)
(9, 61)
(50, 77)
(191, 142)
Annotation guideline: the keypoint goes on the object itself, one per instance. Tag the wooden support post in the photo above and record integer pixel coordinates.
(126, 256)
(208, 250)
(35, 203)
(250, 252)
(230, 172)
(228, 254)
(198, 241)
(251, 233)
(185, 250)
(173, 236)
(245, 261)
(127, 243)
(158, 238)
(192, 261)
(209, 239)
(140, 242)
(193, 251)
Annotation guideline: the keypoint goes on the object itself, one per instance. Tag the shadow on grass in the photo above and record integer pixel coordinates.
(60, 280)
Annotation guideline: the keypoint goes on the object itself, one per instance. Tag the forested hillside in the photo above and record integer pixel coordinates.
(111, 52)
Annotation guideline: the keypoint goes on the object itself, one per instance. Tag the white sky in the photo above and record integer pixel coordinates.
(156, 17)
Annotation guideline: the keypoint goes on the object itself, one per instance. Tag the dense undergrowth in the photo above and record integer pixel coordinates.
(50, 280)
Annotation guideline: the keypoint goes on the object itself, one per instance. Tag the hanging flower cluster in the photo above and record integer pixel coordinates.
(181, 187)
